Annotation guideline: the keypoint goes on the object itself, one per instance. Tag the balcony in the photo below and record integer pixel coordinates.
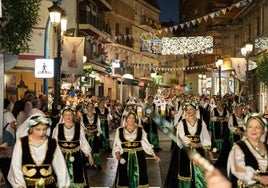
(125, 40)
(147, 21)
(92, 24)
(104, 5)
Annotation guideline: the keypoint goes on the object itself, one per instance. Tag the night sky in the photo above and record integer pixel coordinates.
(169, 10)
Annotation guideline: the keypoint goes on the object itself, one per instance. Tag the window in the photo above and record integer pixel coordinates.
(116, 28)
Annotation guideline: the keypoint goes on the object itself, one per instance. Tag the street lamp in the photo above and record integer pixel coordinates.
(57, 18)
(202, 77)
(245, 51)
(219, 63)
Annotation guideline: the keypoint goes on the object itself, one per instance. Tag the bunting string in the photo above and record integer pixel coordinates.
(168, 69)
(204, 18)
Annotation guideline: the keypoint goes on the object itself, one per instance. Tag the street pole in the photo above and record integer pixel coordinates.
(46, 53)
(219, 62)
(56, 14)
(220, 80)
(245, 51)
(247, 80)
(57, 72)
(1, 96)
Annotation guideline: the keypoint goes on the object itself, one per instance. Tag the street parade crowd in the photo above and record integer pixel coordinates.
(55, 147)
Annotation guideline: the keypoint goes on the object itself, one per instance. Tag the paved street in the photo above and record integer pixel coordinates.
(156, 172)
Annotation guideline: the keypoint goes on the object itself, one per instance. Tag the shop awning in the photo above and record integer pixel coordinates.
(134, 82)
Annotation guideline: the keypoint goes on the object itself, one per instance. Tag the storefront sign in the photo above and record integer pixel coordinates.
(108, 70)
(44, 68)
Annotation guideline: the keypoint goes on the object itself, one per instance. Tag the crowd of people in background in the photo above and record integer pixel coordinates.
(223, 130)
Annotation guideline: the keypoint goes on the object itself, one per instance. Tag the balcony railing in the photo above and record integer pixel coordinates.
(146, 20)
(125, 40)
(98, 22)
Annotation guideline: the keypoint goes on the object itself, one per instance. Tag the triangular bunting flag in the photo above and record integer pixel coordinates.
(166, 30)
(188, 24)
(218, 13)
(175, 27)
(199, 20)
(171, 29)
(230, 8)
(243, 2)
(237, 5)
(205, 17)
(182, 26)
(193, 22)
(224, 10)
(212, 15)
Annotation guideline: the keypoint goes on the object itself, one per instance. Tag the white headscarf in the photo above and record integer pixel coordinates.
(24, 127)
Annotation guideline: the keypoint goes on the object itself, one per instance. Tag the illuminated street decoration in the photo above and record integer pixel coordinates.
(261, 43)
(177, 45)
(186, 45)
(152, 46)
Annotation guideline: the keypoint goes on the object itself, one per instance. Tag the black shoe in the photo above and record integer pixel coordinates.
(157, 149)
(94, 166)
(109, 150)
(99, 167)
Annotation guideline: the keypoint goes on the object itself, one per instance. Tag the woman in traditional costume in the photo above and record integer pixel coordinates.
(37, 160)
(248, 159)
(130, 146)
(74, 145)
(192, 134)
(91, 123)
(235, 133)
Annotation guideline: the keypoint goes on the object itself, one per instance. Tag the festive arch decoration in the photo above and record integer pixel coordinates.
(177, 45)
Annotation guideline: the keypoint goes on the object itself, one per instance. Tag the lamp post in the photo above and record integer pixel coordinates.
(202, 77)
(153, 74)
(245, 51)
(218, 65)
(59, 22)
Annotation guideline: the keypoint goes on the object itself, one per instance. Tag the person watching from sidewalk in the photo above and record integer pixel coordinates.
(9, 128)
(5, 160)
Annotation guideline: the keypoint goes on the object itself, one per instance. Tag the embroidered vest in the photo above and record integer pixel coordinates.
(91, 127)
(102, 116)
(196, 137)
(133, 145)
(32, 172)
(72, 145)
(217, 114)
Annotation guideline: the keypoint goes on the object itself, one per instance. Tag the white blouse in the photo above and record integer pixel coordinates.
(15, 175)
(131, 136)
(237, 155)
(185, 141)
(240, 123)
(69, 134)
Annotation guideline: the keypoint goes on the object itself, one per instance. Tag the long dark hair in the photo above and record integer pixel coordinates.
(18, 107)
